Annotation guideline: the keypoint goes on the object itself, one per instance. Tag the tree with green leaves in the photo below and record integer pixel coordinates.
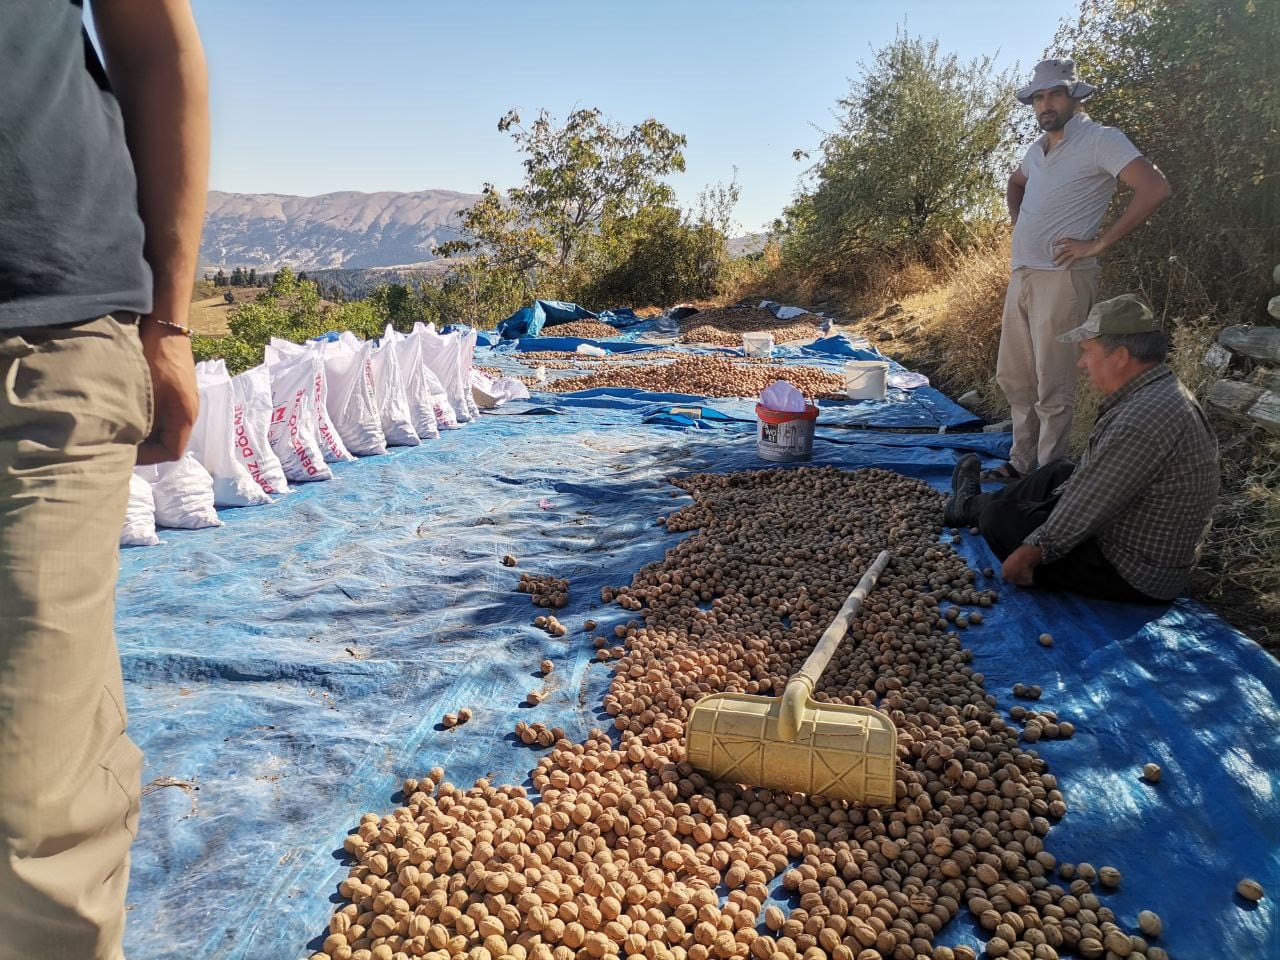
(923, 146)
(1195, 84)
(580, 176)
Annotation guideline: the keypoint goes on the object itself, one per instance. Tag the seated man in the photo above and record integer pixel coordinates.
(1125, 524)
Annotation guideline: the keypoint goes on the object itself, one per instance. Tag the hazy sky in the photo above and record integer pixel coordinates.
(313, 96)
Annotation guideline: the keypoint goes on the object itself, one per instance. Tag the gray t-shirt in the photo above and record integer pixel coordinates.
(1068, 190)
(70, 234)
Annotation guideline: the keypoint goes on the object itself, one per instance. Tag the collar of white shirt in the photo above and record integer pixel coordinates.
(1075, 125)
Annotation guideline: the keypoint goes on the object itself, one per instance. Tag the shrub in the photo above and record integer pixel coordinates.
(915, 167)
(1193, 84)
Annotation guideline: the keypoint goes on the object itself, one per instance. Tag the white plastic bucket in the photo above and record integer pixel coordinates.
(785, 437)
(865, 379)
(757, 345)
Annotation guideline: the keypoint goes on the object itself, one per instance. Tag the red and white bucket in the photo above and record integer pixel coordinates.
(785, 437)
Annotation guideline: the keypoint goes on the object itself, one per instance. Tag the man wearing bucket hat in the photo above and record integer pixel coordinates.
(1126, 523)
(1057, 199)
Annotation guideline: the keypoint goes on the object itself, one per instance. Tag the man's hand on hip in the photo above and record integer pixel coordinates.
(1066, 252)
(1019, 565)
(175, 396)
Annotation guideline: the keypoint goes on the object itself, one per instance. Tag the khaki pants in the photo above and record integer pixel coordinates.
(1035, 371)
(74, 403)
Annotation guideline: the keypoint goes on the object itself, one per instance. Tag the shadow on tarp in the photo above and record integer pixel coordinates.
(286, 671)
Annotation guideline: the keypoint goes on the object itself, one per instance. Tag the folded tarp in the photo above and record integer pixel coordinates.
(527, 321)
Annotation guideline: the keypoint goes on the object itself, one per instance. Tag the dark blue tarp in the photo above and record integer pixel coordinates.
(285, 671)
(527, 321)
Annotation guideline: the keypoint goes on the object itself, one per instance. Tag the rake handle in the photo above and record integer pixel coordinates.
(801, 686)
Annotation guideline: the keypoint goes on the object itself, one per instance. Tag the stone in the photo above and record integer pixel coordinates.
(884, 336)
(1232, 396)
(1267, 379)
(1247, 401)
(1265, 412)
(891, 311)
(1217, 357)
(1004, 426)
(1261, 343)
(970, 400)
(909, 333)
(1273, 307)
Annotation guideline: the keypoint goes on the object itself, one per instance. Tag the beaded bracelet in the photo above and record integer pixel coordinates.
(185, 331)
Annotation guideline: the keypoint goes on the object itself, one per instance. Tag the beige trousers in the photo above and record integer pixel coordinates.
(74, 403)
(1035, 371)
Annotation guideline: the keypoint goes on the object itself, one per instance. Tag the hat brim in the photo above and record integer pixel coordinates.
(1077, 91)
(1078, 334)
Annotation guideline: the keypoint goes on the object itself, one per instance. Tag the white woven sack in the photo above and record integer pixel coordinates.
(183, 492)
(251, 422)
(350, 400)
(441, 354)
(417, 390)
(467, 353)
(139, 515)
(331, 445)
(213, 440)
(389, 393)
(294, 430)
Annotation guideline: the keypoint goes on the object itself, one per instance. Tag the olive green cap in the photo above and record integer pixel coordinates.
(1119, 315)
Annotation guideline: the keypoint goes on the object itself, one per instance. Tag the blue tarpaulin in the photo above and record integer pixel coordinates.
(285, 672)
(528, 321)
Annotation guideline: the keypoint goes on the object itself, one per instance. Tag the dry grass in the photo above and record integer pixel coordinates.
(1239, 570)
(967, 323)
(210, 315)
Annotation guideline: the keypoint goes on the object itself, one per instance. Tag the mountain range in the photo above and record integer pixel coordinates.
(334, 230)
(346, 231)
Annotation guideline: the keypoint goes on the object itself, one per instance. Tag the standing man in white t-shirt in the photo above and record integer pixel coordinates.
(1057, 199)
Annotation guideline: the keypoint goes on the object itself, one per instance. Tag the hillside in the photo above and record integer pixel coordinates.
(335, 230)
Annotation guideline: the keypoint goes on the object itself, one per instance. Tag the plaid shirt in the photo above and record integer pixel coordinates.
(1145, 487)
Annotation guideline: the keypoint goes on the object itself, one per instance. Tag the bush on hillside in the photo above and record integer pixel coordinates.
(661, 255)
(916, 165)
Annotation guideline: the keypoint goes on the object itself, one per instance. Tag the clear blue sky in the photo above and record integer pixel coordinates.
(313, 96)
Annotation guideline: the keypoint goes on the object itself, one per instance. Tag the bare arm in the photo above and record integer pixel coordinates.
(157, 70)
(1013, 194)
(1150, 190)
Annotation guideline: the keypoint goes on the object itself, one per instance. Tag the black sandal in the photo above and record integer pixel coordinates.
(1005, 473)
